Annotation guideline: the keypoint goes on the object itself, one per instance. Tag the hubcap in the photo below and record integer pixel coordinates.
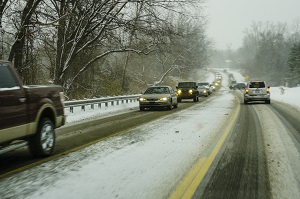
(47, 137)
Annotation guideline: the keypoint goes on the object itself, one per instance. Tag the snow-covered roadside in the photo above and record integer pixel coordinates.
(282, 155)
(78, 115)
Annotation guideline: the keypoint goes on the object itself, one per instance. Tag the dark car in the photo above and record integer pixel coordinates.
(188, 90)
(240, 86)
(158, 96)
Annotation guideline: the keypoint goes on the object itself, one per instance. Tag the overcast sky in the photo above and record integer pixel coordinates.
(229, 18)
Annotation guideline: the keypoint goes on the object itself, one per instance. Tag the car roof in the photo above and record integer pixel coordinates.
(256, 81)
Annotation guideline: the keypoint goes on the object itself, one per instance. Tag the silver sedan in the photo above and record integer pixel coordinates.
(158, 96)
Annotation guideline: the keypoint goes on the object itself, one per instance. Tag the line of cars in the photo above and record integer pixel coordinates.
(254, 91)
(167, 97)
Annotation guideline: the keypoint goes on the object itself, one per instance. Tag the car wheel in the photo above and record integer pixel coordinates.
(245, 101)
(268, 102)
(142, 108)
(179, 99)
(43, 142)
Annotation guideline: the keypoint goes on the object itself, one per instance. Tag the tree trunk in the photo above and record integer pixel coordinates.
(16, 53)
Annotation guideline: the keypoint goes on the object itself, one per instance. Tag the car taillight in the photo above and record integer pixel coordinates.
(268, 90)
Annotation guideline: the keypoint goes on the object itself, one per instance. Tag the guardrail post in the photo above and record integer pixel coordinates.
(117, 102)
(92, 106)
(71, 109)
(99, 105)
(106, 104)
(83, 107)
(112, 103)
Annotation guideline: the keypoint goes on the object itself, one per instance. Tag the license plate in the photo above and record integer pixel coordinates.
(257, 91)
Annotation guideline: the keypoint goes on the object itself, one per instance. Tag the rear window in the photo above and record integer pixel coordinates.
(257, 85)
(7, 80)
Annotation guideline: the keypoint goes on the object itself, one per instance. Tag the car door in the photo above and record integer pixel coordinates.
(13, 117)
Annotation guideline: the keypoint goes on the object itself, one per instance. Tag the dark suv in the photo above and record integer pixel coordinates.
(187, 90)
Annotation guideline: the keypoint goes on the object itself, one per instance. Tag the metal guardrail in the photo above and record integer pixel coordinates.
(105, 100)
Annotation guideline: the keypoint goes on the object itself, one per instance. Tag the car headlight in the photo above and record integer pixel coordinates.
(190, 91)
(246, 91)
(163, 99)
(179, 92)
(204, 91)
(142, 99)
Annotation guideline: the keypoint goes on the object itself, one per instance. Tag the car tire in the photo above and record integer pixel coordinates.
(268, 102)
(142, 108)
(245, 101)
(43, 142)
(179, 99)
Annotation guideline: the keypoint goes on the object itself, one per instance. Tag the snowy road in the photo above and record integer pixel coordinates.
(145, 162)
(259, 157)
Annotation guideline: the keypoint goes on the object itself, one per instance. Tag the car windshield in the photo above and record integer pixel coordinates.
(186, 84)
(203, 84)
(256, 85)
(157, 90)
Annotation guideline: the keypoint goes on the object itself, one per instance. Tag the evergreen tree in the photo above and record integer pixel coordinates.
(294, 64)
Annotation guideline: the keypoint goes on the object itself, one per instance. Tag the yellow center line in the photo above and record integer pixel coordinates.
(188, 186)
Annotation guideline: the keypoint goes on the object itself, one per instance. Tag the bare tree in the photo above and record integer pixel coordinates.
(16, 54)
(3, 4)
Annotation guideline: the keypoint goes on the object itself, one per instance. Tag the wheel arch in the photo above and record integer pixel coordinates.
(47, 110)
